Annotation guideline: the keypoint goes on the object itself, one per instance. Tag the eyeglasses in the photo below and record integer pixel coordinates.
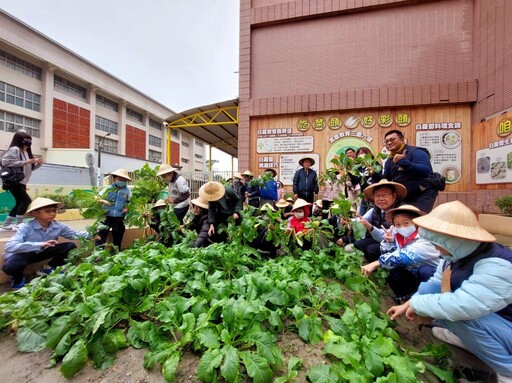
(389, 140)
(382, 196)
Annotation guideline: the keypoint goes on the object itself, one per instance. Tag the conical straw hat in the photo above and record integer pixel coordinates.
(403, 208)
(41, 202)
(165, 168)
(159, 203)
(312, 160)
(123, 173)
(267, 207)
(200, 202)
(212, 191)
(456, 220)
(300, 203)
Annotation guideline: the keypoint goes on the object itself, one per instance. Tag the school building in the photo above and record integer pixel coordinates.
(319, 76)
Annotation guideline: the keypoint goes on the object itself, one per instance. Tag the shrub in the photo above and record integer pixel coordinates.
(504, 204)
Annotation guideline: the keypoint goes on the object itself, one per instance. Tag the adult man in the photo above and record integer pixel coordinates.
(385, 195)
(268, 192)
(410, 166)
(179, 192)
(305, 181)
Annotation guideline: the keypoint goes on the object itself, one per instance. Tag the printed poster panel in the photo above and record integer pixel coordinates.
(300, 144)
(289, 164)
(494, 165)
(445, 152)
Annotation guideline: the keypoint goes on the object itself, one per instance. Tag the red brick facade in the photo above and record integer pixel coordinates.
(71, 125)
(135, 142)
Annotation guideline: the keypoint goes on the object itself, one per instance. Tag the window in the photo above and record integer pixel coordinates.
(198, 156)
(19, 97)
(11, 122)
(69, 87)
(184, 160)
(106, 103)
(107, 146)
(155, 141)
(133, 115)
(175, 133)
(184, 144)
(155, 124)
(106, 125)
(20, 65)
(200, 144)
(155, 156)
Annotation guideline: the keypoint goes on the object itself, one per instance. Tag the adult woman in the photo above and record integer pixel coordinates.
(368, 176)
(19, 154)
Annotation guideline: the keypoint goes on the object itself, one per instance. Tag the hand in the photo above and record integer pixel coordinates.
(31, 161)
(366, 224)
(339, 242)
(125, 210)
(366, 270)
(50, 243)
(411, 315)
(39, 161)
(170, 200)
(396, 311)
(235, 216)
(211, 230)
(398, 157)
(388, 234)
(295, 196)
(104, 202)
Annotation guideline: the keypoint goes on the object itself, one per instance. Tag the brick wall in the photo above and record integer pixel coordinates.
(135, 142)
(71, 125)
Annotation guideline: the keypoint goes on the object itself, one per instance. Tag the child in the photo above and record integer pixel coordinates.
(37, 240)
(285, 207)
(118, 196)
(200, 222)
(411, 258)
(296, 224)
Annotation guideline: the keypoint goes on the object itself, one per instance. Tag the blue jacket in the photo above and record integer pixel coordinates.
(118, 198)
(481, 284)
(305, 185)
(269, 190)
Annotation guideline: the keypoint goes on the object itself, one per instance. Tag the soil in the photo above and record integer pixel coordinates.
(32, 367)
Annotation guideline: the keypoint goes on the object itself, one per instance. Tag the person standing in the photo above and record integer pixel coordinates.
(115, 203)
(19, 154)
(179, 192)
(410, 166)
(305, 181)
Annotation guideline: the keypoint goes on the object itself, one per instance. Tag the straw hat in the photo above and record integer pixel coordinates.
(267, 207)
(165, 168)
(301, 161)
(404, 208)
(248, 173)
(239, 176)
(41, 202)
(455, 220)
(300, 203)
(212, 191)
(123, 173)
(274, 173)
(290, 199)
(200, 202)
(319, 203)
(400, 189)
(159, 203)
(282, 203)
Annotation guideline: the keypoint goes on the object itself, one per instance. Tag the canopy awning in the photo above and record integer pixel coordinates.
(215, 124)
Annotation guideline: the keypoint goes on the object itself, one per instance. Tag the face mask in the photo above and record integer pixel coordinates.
(298, 215)
(120, 184)
(27, 142)
(406, 232)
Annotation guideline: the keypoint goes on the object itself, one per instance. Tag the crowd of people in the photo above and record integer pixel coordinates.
(442, 266)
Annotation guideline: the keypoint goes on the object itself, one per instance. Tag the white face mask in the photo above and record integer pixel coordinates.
(298, 215)
(406, 232)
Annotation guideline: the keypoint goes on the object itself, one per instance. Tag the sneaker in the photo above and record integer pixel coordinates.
(447, 336)
(45, 270)
(18, 285)
(7, 228)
